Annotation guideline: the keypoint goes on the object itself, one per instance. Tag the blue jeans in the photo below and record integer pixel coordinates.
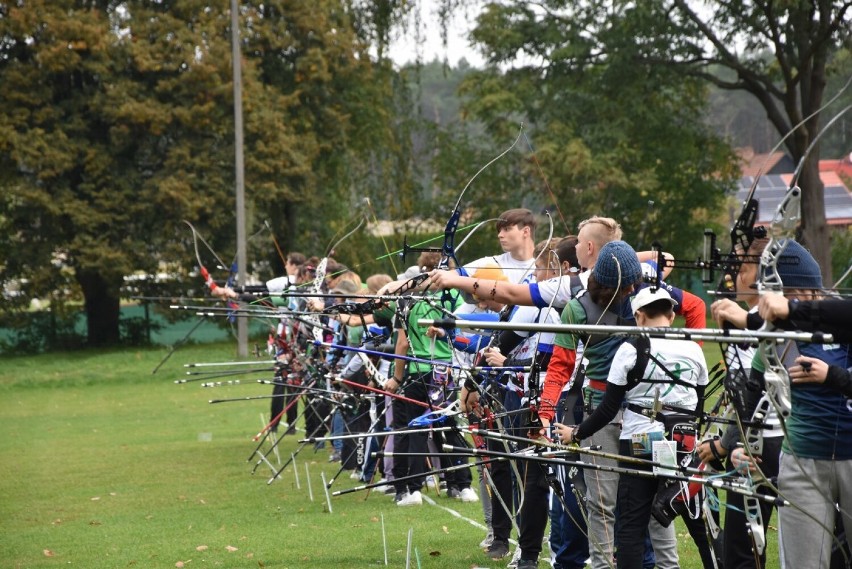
(568, 542)
(338, 427)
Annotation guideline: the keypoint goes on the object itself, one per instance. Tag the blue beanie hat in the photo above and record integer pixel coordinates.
(617, 265)
(797, 267)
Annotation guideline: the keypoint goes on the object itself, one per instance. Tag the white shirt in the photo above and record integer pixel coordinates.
(279, 284)
(683, 358)
(516, 271)
(533, 342)
(555, 292)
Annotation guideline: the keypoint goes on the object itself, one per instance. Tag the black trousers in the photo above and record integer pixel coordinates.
(316, 413)
(461, 478)
(282, 396)
(699, 533)
(500, 473)
(535, 508)
(292, 410)
(278, 402)
(738, 547)
(414, 387)
(635, 497)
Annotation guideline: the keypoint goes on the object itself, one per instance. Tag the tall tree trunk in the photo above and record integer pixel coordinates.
(814, 229)
(101, 296)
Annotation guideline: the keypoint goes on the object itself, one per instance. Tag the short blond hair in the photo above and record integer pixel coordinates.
(604, 229)
(348, 275)
(377, 281)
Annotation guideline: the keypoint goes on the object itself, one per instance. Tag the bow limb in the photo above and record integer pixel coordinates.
(448, 252)
(372, 371)
(316, 287)
(492, 161)
(448, 249)
(777, 378)
(792, 131)
(275, 242)
(205, 274)
(769, 282)
(322, 266)
(753, 439)
(369, 205)
(795, 180)
(741, 232)
(783, 228)
(533, 380)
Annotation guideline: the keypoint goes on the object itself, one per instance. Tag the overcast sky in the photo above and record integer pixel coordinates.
(404, 49)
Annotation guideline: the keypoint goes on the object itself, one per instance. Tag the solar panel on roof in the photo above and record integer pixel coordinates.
(771, 189)
(776, 181)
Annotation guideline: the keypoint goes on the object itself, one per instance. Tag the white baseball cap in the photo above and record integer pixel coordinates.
(409, 273)
(648, 295)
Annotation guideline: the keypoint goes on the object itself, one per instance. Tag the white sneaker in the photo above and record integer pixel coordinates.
(412, 499)
(434, 483)
(356, 474)
(468, 495)
(489, 539)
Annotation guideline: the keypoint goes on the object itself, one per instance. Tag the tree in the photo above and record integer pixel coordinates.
(801, 36)
(675, 36)
(116, 124)
(611, 136)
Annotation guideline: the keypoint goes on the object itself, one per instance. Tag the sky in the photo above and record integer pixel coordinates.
(404, 48)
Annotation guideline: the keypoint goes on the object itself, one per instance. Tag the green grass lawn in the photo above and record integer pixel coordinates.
(104, 465)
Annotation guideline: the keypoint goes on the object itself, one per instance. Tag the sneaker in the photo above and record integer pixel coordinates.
(489, 539)
(400, 496)
(412, 499)
(497, 549)
(454, 493)
(516, 558)
(468, 495)
(528, 564)
(433, 483)
(334, 457)
(356, 475)
(389, 490)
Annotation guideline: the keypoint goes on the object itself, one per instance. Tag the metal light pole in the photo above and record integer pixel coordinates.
(236, 60)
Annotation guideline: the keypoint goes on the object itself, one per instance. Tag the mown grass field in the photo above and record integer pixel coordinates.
(104, 465)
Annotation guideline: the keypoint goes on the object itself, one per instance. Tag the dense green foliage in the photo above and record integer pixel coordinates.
(116, 123)
(612, 136)
(661, 51)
